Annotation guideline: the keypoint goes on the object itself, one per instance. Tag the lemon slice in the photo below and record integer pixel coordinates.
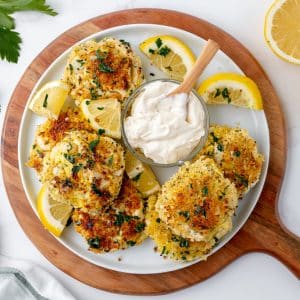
(231, 88)
(282, 29)
(53, 214)
(169, 54)
(146, 182)
(133, 166)
(49, 100)
(104, 114)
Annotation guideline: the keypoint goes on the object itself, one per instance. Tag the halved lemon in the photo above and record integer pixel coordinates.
(231, 88)
(169, 54)
(53, 214)
(49, 100)
(133, 166)
(103, 114)
(146, 182)
(282, 29)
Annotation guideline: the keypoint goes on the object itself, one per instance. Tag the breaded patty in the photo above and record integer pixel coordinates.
(115, 227)
(104, 69)
(236, 154)
(84, 167)
(169, 244)
(197, 201)
(52, 131)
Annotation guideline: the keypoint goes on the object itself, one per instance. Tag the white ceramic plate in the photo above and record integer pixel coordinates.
(142, 259)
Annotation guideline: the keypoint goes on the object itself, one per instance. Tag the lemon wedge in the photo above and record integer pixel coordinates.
(231, 88)
(53, 214)
(146, 182)
(133, 166)
(49, 100)
(169, 54)
(282, 29)
(104, 114)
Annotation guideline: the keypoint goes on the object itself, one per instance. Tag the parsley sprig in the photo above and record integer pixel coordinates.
(10, 40)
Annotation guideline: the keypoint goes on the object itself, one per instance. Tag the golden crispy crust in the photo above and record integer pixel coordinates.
(236, 154)
(197, 201)
(169, 244)
(114, 227)
(104, 69)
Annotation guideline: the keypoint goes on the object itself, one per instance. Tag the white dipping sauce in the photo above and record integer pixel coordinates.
(166, 129)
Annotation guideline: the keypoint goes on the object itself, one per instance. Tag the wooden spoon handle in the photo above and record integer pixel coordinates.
(208, 52)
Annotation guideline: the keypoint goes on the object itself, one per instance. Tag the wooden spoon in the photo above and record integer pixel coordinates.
(208, 52)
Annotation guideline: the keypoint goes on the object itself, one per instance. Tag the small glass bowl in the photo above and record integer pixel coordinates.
(137, 152)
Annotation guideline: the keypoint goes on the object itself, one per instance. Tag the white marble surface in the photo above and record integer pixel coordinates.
(254, 276)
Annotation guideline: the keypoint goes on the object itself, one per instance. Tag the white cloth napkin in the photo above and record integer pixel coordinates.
(21, 280)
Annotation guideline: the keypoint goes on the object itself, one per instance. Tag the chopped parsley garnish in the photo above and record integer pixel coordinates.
(191, 185)
(87, 102)
(103, 67)
(164, 51)
(100, 108)
(225, 95)
(76, 169)
(100, 55)
(163, 250)
(131, 243)
(137, 177)
(205, 191)
(151, 51)
(70, 158)
(152, 74)
(220, 147)
(242, 180)
(125, 43)
(218, 93)
(96, 190)
(120, 219)
(169, 68)
(158, 42)
(101, 131)
(71, 68)
(90, 163)
(96, 81)
(80, 61)
(67, 183)
(185, 214)
(184, 243)
(93, 144)
(94, 242)
(215, 139)
(237, 153)
(158, 220)
(94, 94)
(139, 227)
(200, 210)
(33, 146)
(45, 103)
(110, 160)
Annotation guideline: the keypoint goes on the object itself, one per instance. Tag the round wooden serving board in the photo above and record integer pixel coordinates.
(263, 230)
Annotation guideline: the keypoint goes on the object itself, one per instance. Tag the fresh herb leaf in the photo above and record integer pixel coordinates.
(101, 131)
(94, 94)
(158, 42)
(87, 102)
(110, 160)
(151, 51)
(215, 139)
(225, 94)
(9, 45)
(169, 68)
(158, 220)
(236, 153)
(45, 103)
(242, 180)
(76, 169)
(100, 55)
(93, 144)
(120, 219)
(71, 68)
(184, 243)
(163, 250)
(103, 67)
(205, 191)
(6, 20)
(137, 177)
(139, 227)
(164, 51)
(100, 108)
(96, 190)
(185, 214)
(80, 61)
(131, 243)
(220, 147)
(70, 158)
(218, 93)
(94, 242)
(125, 43)
(200, 210)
